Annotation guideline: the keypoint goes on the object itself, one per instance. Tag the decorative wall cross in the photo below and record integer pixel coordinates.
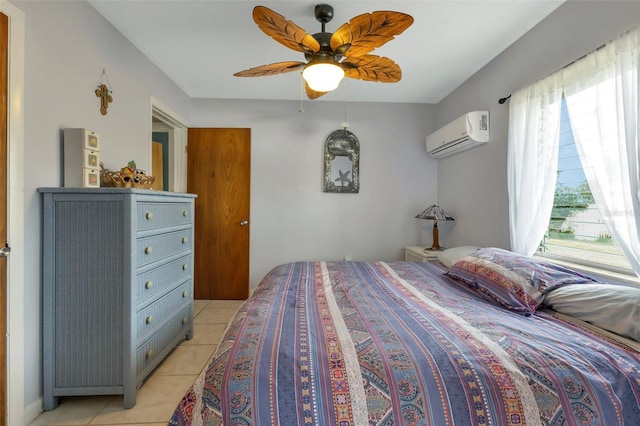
(103, 92)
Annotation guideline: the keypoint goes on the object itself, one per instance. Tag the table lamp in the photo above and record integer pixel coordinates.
(435, 213)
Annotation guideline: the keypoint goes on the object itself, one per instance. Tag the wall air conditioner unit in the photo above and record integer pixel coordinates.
(465, 132)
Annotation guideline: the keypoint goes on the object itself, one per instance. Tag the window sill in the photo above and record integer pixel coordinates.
(592, 270)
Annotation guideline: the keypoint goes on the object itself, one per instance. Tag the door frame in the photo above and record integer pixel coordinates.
(15, 182)
(164, 119)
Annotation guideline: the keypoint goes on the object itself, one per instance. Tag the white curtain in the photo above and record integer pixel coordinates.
(532, 161)
(602, 101)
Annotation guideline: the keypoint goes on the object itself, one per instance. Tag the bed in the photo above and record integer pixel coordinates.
(471, 342)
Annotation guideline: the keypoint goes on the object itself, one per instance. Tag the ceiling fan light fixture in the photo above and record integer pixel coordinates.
(324, 51)
(323, 76)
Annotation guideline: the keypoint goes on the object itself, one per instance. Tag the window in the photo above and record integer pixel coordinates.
(576, 231)
(601, 95)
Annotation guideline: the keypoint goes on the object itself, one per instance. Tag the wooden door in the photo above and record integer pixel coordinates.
(218, 171)
(160, 160)
(156, 165)
(4, 166)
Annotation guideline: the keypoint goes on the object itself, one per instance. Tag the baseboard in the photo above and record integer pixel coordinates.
(33, 410)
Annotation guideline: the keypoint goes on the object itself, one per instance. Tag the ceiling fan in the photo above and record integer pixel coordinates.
(332, 56)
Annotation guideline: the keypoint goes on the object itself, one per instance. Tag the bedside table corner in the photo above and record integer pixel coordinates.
(418, 254)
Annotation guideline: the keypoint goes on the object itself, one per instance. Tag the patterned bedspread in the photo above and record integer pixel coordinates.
(374, 343)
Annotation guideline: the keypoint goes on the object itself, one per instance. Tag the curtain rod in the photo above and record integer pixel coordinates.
(506, 98)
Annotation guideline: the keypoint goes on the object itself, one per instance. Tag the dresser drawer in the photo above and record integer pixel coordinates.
(156, 247)
(153, 348)
(91, 140)
(155, 315)
(160, 215)
(91, 178)
(91, 159)
(157, 280)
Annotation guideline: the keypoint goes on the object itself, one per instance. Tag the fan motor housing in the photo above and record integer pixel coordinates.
(324, 39)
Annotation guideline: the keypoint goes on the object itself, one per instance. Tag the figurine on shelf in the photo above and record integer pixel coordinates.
(130, 169)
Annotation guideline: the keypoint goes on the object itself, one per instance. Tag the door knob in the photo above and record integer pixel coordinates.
(4, 251)
(244, 223)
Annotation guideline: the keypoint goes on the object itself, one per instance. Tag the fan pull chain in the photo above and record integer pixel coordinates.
(301, 90)
(345, 124)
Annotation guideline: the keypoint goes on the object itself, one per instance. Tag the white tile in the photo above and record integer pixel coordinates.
(199, 305)
(186, 360)
(205, 334)
(215, 315)
(156, 401)
(76, 410)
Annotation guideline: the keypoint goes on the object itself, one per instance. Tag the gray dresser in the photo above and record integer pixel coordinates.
(117, 287)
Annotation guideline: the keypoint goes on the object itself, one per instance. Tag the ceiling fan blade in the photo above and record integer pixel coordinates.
(271, 69)
(283, 31)
(369, 31)
(312, 94)
(372, 68)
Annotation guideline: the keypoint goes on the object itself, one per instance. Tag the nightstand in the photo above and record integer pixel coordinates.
(417, 254)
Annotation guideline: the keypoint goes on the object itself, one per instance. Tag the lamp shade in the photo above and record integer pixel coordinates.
(434, 212)
(323, 76)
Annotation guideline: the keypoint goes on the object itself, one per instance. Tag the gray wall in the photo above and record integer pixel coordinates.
(472, 186)
(67, 46)
(291, 218)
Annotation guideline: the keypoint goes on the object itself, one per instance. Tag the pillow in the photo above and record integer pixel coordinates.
(513, 281)
(451, 255)
(613, 307)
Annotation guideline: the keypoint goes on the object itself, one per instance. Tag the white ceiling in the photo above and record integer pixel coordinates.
(199, 44)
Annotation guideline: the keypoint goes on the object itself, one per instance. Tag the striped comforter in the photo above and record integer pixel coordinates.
(374, 343)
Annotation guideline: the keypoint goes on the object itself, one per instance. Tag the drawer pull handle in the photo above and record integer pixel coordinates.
(148, 250)
(185, 213)
(149, 319)
(149, 354)
(185, 266)
(148, 285)
(184, 240)
(184, 321)
(185, 293)
(149, 215)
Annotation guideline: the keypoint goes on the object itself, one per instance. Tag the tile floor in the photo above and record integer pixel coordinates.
(163, 389)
